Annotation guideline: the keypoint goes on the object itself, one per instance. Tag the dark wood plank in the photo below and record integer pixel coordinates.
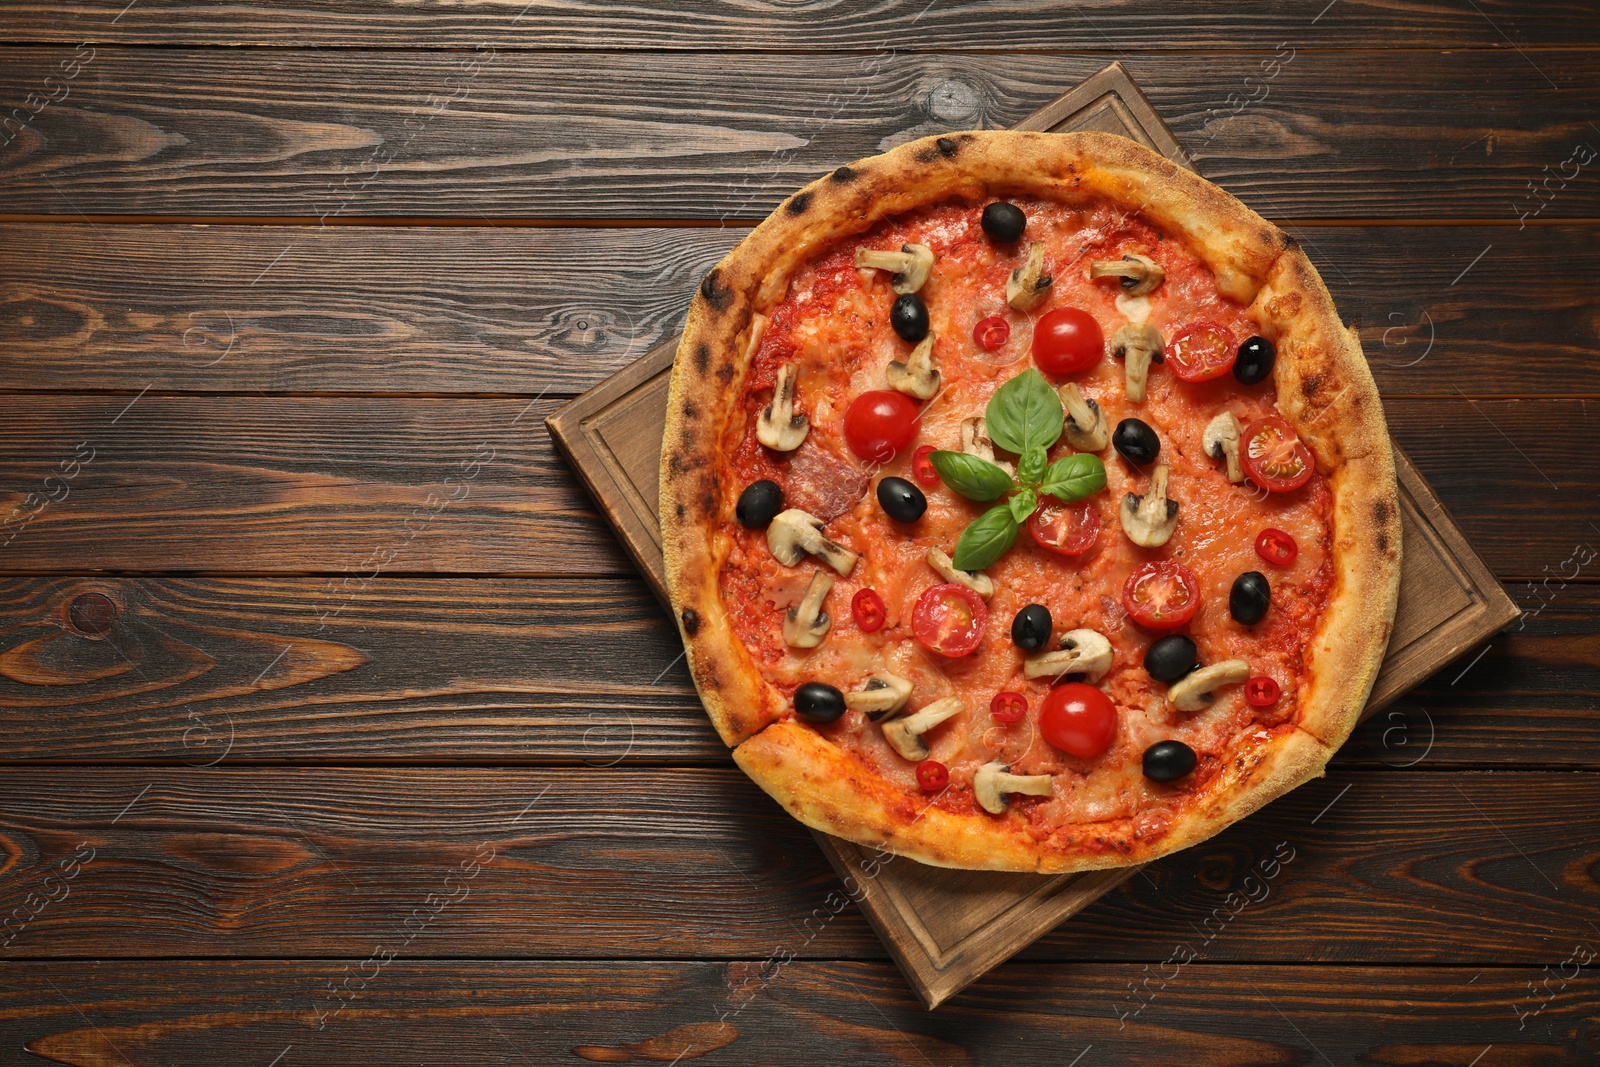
(724, 24)
(489, 309)
(590, 863)
(342, 134)
(111, 1014)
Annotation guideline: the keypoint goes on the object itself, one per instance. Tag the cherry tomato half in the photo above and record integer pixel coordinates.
(879, 424)
(949, 619)
(1065, 529)
(1008, 707)
(1161, 594)
(1261, 691)
(1066, 341)
(992, 332)
(1275, 546)
(1078, 719)
(1273, 457)
(932, 775)
(1201, 352)
(869, 611)
(922, 467)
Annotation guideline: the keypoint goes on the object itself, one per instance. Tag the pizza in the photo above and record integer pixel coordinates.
(1026, 505)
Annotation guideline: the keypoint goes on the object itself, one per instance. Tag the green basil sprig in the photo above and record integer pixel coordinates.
(1024, 416)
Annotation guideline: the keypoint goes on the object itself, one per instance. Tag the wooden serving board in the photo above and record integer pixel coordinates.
(946, 928)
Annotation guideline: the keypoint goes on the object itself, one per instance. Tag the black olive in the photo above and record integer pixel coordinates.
(1030, 630)
(1249, 598)
(1167, 761)
(1136, 442)
(1004, 222)
(902, 501)
(759, 504)
(1256, 357)
(909, 317)
(1170, 658)
(818, 702)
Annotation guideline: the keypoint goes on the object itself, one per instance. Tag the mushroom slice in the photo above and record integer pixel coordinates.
(911, 265)
(917, 376)
(758, 327)
(1137, 347)
(905, 734)
(779, 427)
(1150, 519)
(1221, 441)
(1086, 428)
(1086, 652)
(793, 533)
(1194, 691)
(884, 694)
(975, 441)
(1139, 274)
(993, 783)
(977, 581)
(806, 624)
(1028, 284)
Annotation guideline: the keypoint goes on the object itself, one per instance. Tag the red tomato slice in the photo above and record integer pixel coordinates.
(879, 424)
(869, 611)
(922, 468)
(1008, 707)
(992, 332)
(949, 619)
(1275, 546)
(1065, 529)
(932, 775)
(1066, 341)
(1078, 719)
(1261, 691)
(1161, 594)
(1202, 351)
(1273, 457)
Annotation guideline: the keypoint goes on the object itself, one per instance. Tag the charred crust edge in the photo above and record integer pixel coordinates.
(691, 621)
(702, 357)
(715, 293)
(798, 203)
(844, 175)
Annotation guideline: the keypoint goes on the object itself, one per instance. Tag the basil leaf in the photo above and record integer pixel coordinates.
(1074, 477)
(1022, 505)
(973, 478)
(986, 539)
(1024, 413)
(1031, 467)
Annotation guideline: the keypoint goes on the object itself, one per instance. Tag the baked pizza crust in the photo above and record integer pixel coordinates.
(1325, 391)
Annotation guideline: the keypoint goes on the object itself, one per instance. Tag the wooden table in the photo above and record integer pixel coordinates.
(340, 731)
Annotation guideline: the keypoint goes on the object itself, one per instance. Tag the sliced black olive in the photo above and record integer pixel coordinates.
(759, 504)
(1167, 761)
(1249, 598)
(1030, 630)
(902, 501)
(1004, 222)
(818, 702)
(1136, 442)
(1256, 357)
(1170, 658)
(909, 317)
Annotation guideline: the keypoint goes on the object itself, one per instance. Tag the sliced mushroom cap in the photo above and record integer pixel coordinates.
(779, 426)
(911, 265)
(905, 734)
(793, 533)
(1028, 284)
(994, 782)
(1194, 691)
(917, 376)
(1139, 274)
(1086, 652)
(884, 694)
(806, 624)
(1221, 441)
(1150, 519)
(975, 441)
(977, 581)
(1137, 346)
(1086, 427)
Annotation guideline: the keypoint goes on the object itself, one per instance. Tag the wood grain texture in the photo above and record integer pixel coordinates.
(177, 1014)
(264, 485)
(470, 135)
(1403, 866)
(494, 310)
(584, 671)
